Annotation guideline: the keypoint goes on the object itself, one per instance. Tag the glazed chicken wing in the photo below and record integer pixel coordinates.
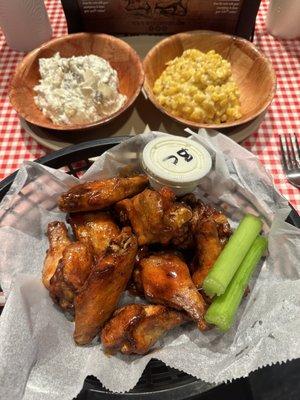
(166, 280)
(95, 229)
(135, 328)
(100, 294)
(72, 271)
(154, 216)
(183, 237)
(211, 231)
(208, 249)
(134, 286)
(58, 240)
(97, 195)
(202, 212)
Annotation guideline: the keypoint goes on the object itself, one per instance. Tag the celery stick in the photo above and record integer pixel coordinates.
(222, 310)
(232, 255)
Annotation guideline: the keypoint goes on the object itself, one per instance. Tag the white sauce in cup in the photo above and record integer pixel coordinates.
(176, 162)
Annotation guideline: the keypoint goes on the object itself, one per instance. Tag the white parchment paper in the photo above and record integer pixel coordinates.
(38, 358)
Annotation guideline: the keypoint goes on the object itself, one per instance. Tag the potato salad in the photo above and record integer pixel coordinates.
(77, 90)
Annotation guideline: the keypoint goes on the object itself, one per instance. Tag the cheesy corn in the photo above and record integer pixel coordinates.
(199, 87)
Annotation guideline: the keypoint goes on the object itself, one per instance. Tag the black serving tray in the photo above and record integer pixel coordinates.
(158, 381)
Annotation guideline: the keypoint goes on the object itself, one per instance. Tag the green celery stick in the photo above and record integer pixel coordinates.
(223, 309)
(232, 255)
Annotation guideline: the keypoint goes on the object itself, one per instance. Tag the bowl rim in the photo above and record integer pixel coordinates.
(75, 127)
(149, 92)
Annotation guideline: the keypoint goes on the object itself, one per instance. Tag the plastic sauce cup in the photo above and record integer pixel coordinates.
(176, 162)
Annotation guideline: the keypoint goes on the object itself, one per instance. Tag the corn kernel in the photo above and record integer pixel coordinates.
(199, 86)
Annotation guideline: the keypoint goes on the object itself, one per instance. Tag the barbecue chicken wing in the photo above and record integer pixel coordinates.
(97, 195)
(100, 294)
(72, 271)
(211, 232)
(176, 220)
(166, 280)
(135, 328)
(154, 216)
(208, 247)
(94, 229)
(134, 286)
(58, 240)
(202, 212)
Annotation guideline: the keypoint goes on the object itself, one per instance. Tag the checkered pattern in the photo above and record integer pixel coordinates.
(283, 115)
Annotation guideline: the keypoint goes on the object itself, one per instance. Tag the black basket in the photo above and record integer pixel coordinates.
(157, 381)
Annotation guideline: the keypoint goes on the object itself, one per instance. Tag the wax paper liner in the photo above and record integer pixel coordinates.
(38, 358)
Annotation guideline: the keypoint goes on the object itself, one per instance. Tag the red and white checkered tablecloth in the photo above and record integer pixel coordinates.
(283, 115)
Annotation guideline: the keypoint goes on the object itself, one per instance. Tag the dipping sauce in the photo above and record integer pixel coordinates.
(176, 162)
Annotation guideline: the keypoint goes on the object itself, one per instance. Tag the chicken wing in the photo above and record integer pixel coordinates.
(211, 231)
(58, 240)
(99, 296)
(183, 237)
(203, 212)
(94, 229)
(72, 271)
(153, 215)
(208, 249)
(135, 328)
(166, 280)
(97, 195)
(134, 286)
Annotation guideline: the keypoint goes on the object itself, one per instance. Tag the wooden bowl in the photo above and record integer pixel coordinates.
(119, 54)
(251, 70)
